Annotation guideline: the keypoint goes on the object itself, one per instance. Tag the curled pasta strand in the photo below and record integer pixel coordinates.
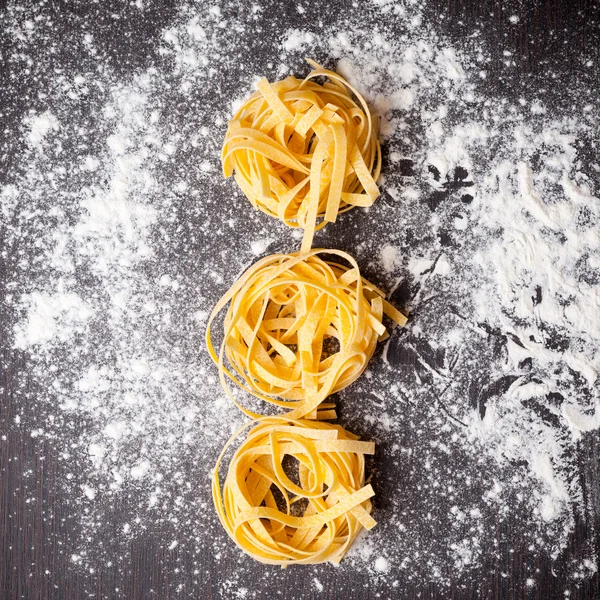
(277, 521)
(297, 329)
(304, 152)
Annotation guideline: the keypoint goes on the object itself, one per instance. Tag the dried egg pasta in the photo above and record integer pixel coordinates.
(299, 328)
(304, 152)
(312, 520)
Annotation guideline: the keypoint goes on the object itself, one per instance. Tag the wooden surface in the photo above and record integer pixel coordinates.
(550, 38)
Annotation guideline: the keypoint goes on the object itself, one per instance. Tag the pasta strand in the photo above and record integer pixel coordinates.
(304, 152)
(297, 329)
(331, 493)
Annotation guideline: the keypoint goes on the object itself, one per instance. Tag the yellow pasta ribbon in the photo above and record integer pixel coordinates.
(312, 517)
(304, 152)
(297, 329)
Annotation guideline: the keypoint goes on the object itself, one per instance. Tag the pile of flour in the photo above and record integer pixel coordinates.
(119, 235)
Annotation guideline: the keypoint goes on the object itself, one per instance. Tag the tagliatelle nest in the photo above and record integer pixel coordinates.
(302, 151)
(299, 328)
(310, 518)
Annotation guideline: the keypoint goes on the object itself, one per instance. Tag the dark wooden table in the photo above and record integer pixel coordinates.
(37, 522)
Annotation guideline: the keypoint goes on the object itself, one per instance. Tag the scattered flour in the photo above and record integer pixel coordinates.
(120, 234)
(39, 127)
(390, 258)
(381, 564)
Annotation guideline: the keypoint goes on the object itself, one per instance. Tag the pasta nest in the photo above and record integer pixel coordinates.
(304, 152)
(310, 516)
(299, 328)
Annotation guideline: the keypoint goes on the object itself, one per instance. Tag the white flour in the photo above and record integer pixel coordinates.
(120, 234)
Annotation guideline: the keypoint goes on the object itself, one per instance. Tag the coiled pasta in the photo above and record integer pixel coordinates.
(309, 515)
(304, 152)
(299, 328)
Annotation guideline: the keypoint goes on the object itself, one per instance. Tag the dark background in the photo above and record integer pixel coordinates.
(550, 39)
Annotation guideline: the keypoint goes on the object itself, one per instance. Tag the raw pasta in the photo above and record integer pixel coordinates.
(308, 517)
(304, 152)
(299, 328)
